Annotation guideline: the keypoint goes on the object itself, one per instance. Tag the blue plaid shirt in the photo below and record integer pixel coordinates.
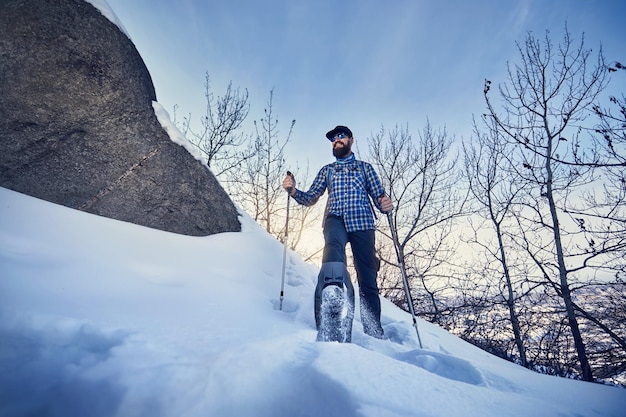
(348, 192)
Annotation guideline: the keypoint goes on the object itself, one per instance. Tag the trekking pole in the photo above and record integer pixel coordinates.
(282, 281)
(407, 290)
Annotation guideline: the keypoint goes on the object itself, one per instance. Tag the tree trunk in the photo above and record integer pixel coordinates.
(563, 283)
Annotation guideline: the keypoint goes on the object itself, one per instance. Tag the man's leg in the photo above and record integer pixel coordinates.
(366, 264)
(334, 272)
(335, 240)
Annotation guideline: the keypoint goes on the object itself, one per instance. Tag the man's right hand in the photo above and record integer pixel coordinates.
(289, 184)
(386, 205)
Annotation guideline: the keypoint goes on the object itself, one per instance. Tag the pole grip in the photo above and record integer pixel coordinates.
(289, 190)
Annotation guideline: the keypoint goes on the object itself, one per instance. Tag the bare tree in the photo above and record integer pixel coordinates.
(605, 220)
(611, 129)
(257, 187)
(303, 220)
(495, 191)
(219, 136)
(422, 180)
(547, 95)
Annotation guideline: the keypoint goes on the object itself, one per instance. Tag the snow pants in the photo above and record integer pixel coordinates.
(366, 264)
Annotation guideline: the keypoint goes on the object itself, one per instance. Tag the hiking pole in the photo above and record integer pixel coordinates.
(407, 290)
(282, 281)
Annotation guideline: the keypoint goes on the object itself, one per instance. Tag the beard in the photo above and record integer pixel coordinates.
(341, 151)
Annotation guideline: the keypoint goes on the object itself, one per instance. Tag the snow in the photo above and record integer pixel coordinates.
(105, 318)
(174, 133)
(108, 12)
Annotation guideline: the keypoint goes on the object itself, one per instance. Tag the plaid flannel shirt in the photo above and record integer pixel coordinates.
(348, 192)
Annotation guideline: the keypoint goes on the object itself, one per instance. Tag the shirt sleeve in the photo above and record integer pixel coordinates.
(376, 189)
(317, 189)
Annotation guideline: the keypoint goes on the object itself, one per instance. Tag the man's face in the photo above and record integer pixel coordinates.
(342, 145)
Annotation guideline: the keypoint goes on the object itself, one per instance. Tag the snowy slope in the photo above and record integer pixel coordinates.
(105, 318)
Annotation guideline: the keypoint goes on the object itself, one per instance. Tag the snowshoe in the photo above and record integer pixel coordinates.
(334, 303)
(332, 314)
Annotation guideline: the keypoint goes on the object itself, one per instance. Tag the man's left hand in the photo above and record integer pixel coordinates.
(385, 204)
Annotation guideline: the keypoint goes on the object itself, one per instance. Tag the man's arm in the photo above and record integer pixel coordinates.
(310, 197)
(381, 199)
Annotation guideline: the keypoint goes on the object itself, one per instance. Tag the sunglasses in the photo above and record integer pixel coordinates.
(338, 136)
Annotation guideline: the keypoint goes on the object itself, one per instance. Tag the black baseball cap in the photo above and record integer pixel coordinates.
(337, 130)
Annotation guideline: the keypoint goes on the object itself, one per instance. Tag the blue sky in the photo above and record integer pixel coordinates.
(360, 63)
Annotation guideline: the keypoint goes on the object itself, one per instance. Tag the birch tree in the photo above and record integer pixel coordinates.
(421, 177)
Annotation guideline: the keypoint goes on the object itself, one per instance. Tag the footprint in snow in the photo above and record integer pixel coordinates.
(444, 365)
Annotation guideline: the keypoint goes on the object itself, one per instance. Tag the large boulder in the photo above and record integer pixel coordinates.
(77, 125)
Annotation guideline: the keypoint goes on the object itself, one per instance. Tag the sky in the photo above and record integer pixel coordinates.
(360, 63)
(102, 318)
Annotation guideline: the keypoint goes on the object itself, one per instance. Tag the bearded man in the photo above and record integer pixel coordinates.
(349, 217)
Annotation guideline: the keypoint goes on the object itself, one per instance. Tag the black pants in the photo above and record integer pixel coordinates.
(365, 262)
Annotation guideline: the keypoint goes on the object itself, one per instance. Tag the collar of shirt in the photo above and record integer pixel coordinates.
(347, 159)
